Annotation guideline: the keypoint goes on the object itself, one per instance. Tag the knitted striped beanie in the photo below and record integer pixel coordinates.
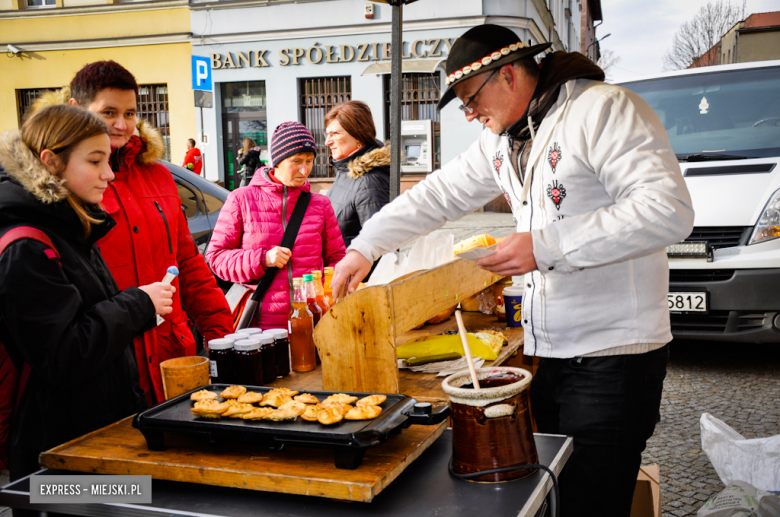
(291, 138)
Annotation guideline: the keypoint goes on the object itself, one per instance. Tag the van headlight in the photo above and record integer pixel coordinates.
(768, 225)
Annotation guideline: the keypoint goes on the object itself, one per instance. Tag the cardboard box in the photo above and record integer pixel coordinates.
(647, 494)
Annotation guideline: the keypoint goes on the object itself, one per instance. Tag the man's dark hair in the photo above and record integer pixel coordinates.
(192, 141)
(97, 76)
(529, 66)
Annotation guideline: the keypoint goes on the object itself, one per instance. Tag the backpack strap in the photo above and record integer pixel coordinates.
(27, 232)
(13, 235)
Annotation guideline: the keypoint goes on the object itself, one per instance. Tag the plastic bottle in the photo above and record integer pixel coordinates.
(311, 298)
(320, 291)
(301, 322)
(328, 272)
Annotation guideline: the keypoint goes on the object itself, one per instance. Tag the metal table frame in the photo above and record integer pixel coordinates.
(424, 488)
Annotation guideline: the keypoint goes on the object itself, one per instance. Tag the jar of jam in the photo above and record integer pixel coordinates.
(269, 357)
(249, 331)
(221, 361)
(282, 351)
(249, 362)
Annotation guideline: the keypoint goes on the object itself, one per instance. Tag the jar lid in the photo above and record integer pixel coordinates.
(220, 344)
(308, 278)
(277, 333)
(265, 338)
(249, 331)
(235, 337)
(247, 345)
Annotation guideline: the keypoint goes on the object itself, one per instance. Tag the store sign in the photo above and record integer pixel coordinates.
(318, 54)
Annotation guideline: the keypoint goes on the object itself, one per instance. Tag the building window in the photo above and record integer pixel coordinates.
(25, 99)
(243, 116)
(420, 94)
(317, 97)
(153, 107)
(40, 3)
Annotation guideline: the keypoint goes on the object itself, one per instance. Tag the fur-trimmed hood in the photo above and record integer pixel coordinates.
(22, 164)
(155, 147)
(377, 157)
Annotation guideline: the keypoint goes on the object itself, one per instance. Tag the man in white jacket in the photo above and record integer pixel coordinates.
(597, 194)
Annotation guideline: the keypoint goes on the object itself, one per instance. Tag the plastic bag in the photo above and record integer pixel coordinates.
(755, 461)
(428, 252)
(741, 500)
(486, 300)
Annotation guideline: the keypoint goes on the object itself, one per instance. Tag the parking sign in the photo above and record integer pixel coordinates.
(201, 73)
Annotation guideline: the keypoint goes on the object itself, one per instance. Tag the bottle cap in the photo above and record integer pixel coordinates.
(277, 333)
(249, 331)
(297, 282)
(220, 344)
(308, 278)
(247, 345)
(327, 270)
(265, 339)
(317, 274)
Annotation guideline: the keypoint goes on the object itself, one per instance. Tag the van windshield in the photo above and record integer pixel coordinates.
(719, 115)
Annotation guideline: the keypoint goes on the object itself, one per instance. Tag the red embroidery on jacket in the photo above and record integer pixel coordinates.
(554, 156)
(556, 192)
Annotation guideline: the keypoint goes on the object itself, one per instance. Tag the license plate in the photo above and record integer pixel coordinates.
(687, 302)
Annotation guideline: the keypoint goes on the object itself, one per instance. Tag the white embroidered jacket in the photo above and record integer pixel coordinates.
(603, 196)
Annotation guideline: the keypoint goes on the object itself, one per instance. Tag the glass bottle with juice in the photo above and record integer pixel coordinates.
(320, 291)
(311, 298)
(301, 322)
(327, 279)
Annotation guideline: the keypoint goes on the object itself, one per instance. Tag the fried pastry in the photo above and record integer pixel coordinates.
(283, 391)
(209, 408)
(311, 412)
(307, 398)
(258, 413)
(233, 392)
(203, 395)
(343, 398)
(238, 410)
(371, 400)
(288, 411)
(331, 415)
(275, 399)
(250, 397)
(363, 413)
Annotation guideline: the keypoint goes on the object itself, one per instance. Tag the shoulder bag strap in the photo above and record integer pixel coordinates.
(288, 241)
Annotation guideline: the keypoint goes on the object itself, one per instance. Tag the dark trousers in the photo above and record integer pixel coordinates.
(610, 406)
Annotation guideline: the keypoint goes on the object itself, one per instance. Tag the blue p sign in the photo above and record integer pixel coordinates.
(201, 73)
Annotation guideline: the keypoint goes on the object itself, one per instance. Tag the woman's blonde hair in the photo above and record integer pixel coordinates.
(60, 128)
(248, 144)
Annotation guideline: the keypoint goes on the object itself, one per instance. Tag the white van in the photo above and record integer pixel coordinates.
(724, 125)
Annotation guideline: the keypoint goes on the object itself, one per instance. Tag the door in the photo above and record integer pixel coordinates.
(235, 128)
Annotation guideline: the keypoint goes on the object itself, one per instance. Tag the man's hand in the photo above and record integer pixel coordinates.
(514, 256)
(277, 257)
(353, 265)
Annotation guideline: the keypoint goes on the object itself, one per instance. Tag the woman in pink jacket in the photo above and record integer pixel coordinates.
(249, 231)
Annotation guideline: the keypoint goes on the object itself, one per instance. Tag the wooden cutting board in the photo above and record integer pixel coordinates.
(121, 449)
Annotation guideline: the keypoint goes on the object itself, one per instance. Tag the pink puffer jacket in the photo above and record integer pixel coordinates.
(250, 224)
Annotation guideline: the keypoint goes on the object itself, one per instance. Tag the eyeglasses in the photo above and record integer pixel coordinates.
(333, 134)
(465, 107)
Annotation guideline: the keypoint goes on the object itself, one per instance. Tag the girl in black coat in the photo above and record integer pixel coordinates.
(65, 318)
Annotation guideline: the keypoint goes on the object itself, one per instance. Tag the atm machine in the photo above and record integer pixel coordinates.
(416, 146)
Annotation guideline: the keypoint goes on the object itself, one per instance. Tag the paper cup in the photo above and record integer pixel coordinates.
(184, 374)
(513, 301)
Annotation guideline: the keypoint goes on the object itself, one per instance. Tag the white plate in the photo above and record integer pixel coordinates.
(687, 302)
(477, 253)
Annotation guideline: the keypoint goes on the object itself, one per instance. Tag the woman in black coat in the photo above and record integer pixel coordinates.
(250, 158)
(362, 185)
(65, 318)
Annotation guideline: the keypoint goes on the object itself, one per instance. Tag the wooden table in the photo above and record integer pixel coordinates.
(121, 449)
(426, 387)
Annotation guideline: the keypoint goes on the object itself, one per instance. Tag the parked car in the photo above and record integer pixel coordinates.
(724, 125)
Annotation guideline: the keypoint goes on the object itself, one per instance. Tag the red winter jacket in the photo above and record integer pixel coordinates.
(250, 224)
(151, 235)
(193, 161)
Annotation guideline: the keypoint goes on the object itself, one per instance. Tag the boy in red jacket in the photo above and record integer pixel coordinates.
(193, 160)
(151, 233)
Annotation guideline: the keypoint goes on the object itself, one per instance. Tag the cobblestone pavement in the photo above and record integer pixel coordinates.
(737, 383)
